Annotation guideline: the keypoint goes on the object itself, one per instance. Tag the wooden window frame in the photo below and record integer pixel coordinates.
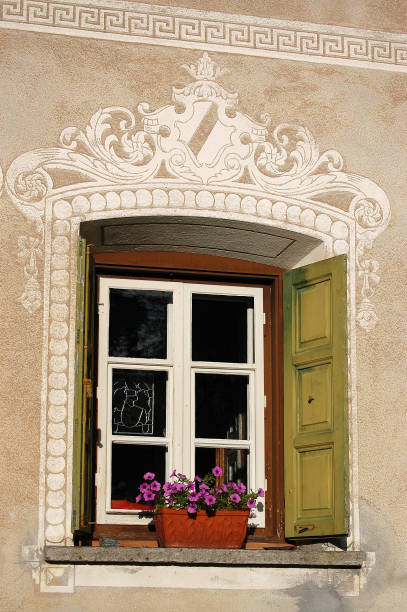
(197, 268)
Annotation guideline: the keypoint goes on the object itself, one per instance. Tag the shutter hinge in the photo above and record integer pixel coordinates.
(87, 383)
(101, 308)
(303, 528)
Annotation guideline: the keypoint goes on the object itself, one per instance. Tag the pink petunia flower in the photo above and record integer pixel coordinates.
(155, 486)
(260, 492)
(251, 503)
(203, 486)
(173, 473)
(138, 498)
(224, 488)
(197, 479)
(217, 471)
(210, 500)
(191, 508)
(144, 487)
(240, 488)
(149, 476)
(149, 496)
(235, 498)
(193, 497)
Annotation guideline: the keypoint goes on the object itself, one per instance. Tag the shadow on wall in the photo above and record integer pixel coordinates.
(383, 589)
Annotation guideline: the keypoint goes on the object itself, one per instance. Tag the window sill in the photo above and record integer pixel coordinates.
(116, 555)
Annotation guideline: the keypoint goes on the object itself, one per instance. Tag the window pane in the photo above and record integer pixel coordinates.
(221, 402)
(129, 464)
(139, 402)
(220, 328)
(233, 461)
(138, 323)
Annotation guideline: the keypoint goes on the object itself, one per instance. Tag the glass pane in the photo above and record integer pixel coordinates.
(220, 328)
(139, 402)
(129, 464)
(233, 461)
(221, 402)
(138, 323)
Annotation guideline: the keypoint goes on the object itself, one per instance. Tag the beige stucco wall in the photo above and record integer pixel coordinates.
(50, 82)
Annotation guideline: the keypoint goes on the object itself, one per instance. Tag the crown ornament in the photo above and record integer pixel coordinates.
(205, 69)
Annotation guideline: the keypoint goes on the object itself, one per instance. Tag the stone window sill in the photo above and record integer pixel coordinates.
(116, 555)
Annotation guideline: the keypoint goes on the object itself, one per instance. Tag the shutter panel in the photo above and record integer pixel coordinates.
(315, 399)
(83, 429)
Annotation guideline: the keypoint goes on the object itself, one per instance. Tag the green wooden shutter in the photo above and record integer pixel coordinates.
(83, 429)
(315, 400)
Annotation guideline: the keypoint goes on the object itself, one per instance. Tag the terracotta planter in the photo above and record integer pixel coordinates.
(178, 529)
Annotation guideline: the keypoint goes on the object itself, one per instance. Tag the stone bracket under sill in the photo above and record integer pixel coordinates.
(116, 555)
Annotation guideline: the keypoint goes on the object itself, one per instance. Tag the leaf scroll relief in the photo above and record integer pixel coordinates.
(199, 139)
(29, 249)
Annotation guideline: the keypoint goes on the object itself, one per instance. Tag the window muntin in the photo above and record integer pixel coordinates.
(174, 441)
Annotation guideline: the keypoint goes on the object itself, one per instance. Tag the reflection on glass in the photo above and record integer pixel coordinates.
(139, 402)
(221, 406)
(233, 461)
(222, 328)
(138, 323)
(129, 464)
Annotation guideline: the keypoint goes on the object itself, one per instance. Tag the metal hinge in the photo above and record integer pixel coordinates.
(87, 383)
(101, 308)
(303, 528)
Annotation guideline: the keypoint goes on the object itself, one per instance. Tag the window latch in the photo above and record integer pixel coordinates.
(99, 438)
(87, 383)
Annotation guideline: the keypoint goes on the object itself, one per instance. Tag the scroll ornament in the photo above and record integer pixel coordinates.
(201, 139)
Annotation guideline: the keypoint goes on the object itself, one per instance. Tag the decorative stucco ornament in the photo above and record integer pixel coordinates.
(202, 141)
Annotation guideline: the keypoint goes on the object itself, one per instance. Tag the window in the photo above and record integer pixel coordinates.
(180, 336)
(180, 386)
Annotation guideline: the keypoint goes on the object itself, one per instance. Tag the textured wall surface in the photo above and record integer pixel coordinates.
(49, 82)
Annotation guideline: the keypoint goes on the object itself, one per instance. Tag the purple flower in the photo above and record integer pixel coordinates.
(173, 473)
(197, 479)
(260, 492)
(149, 496)
(149, 476)
(251, 503)
(191, 508)
(210, 500)
(217, 471)
(235, 498)
(193, 497)
(144, 487)
(181, 475)
(191, 486)
(155, 486)
(138, 498)
(224, 488)
(239, 489)
(203, 486)
(167, 486)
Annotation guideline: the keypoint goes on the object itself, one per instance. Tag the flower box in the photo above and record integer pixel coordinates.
(219, 529)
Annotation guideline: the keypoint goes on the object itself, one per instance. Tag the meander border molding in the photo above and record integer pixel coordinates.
(241, 170)
(195, 29)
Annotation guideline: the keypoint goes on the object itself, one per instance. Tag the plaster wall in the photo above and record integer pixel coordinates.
(49, 82)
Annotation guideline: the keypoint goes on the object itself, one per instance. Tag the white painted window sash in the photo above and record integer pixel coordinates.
(180, 430)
